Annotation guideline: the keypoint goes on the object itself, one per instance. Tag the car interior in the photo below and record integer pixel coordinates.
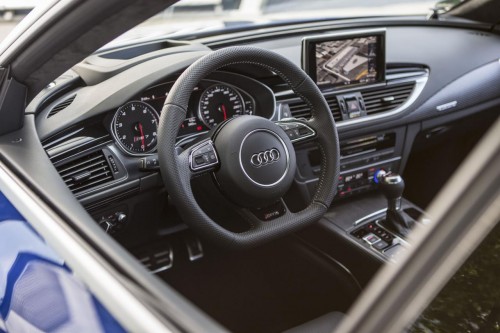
(270, 181)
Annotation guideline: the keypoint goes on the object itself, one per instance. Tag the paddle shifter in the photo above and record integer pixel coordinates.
(392, 186)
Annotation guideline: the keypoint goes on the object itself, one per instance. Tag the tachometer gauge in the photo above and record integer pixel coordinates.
(218, 103)
(134, 127)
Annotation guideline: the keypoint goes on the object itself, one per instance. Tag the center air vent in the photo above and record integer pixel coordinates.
(86, 172)
(61, 106)
(386, 98)
(300, 109)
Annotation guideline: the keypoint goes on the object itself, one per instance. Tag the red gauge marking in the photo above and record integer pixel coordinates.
(223, 107)
(142, 137)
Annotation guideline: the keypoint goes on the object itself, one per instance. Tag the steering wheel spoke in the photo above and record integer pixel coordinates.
(271, 212)
(298, 131)
(261, 218)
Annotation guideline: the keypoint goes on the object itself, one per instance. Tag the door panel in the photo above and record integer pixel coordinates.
(38, 292)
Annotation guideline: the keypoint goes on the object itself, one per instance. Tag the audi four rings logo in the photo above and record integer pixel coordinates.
(265, 157)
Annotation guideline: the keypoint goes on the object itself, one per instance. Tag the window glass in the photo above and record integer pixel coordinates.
(470, 302)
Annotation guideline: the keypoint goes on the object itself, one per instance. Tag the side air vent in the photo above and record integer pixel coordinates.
(86, 172)
(386, 98)
(61, 106)
(300, 109)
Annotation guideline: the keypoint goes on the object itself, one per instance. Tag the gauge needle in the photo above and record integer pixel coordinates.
(142, 135)
(223, 107)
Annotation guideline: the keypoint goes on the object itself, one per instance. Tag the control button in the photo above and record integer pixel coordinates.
(361, 103)
(204, 149)
(150, 163)
(211, 157)
(380, 245)
(371, 239)
(106, 225)
(285, 111)
(303, 131)
(296, 131)
(121, 217)
(291, 134)
(342, 106)
(198, 160)
(112, 162)
(203, 156)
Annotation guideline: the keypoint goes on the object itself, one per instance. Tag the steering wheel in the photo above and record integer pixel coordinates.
(252, 159)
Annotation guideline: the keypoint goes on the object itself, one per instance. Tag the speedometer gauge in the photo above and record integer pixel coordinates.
(134, 126)
(218, 103)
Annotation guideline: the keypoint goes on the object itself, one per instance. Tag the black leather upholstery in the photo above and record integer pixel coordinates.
(324, 324)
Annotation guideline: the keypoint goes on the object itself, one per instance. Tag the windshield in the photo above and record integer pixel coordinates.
(189, 18)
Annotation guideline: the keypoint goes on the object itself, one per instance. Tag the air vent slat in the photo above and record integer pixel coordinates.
(300, 109)
(92, 172)
(403, 93)
(61, 106)
(386, 98)
(80, 167)
(88, 186)
(390, 89)
(334, 107)
(93, 167)
(380, 99)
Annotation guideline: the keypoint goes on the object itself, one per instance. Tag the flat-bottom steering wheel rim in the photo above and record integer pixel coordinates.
(175, 168)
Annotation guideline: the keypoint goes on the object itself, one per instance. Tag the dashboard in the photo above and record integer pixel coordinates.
(98, 125)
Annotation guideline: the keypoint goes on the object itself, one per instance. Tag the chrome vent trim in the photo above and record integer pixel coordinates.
(86, 172)
(61, 106)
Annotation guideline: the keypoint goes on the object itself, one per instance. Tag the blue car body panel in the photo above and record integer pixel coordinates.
(38, 292)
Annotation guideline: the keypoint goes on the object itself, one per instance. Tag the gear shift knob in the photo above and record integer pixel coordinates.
(392, 186)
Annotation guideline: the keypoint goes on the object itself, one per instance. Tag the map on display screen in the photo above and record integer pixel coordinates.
(347, 61)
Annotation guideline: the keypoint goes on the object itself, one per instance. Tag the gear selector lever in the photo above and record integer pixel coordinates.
(392, 186)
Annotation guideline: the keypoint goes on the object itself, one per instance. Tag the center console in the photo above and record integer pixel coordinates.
(369, 228)
(360, 159)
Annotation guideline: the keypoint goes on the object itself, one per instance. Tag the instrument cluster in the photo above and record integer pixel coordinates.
(134, 125)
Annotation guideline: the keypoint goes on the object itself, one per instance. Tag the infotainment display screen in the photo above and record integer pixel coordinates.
(345, 59)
